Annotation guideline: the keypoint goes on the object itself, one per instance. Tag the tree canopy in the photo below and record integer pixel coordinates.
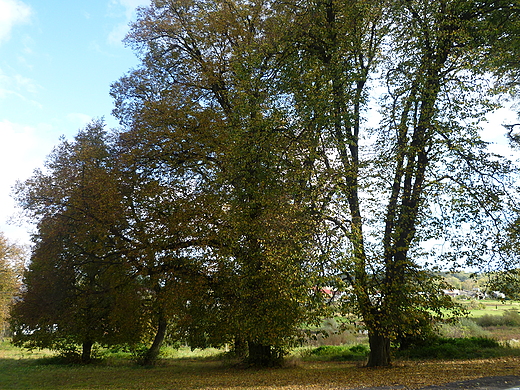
(249, 173)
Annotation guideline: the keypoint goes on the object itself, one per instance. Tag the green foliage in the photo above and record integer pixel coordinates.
(507, 281)
(462, 328)
(207, 132)
(78, 291)
(508, 318)
(334, 331)
(244, 178)
(12, 259)
(339, 352)
(455, 348)
(472, 304)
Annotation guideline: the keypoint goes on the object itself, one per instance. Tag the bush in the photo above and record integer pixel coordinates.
(455, 348)
(508, 318)
(333, 332)
(465, 327)
(474, 304)
(511, 318)
(340, 352)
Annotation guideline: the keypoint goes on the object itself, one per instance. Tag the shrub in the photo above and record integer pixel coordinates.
(508, 318)
(511, 318)
(340, 352)
(333, 332)
(455, 348)
(473, 304)
(465, 327)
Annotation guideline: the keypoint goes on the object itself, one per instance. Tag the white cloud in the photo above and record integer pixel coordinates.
(21, 151)
(118, 33)
(131, 5)
(12, 12)
(26, 84)
(78, 119)
(19, 87)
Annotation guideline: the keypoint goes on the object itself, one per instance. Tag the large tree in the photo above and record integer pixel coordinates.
(424, 173)
(206, 105)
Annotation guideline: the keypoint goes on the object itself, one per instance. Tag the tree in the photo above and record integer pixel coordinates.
(205, 102)
(12, 261)
(78, 288)
(425, 173)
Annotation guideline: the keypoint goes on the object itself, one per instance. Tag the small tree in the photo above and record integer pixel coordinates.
(12, 259)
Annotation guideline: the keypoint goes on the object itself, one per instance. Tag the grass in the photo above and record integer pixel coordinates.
(493, 307)
(325, 367)
(30, 373)
(357, 352)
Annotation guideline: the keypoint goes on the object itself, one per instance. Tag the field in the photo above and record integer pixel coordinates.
(183, 369)
(494, 307)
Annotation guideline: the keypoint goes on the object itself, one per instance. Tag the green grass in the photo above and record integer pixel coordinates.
(493, 307)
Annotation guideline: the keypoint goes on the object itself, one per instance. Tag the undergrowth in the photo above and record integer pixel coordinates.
(337, 353)
(508, 318)
(458, 348)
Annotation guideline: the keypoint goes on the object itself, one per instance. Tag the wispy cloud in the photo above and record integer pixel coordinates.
(23, 148)
(126, 9)
(12, 12)
(118, 33)
(21, 87)
(130, 6)
(79, 119)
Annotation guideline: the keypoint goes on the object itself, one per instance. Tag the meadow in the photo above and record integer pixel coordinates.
(492, 307)
(311, 367)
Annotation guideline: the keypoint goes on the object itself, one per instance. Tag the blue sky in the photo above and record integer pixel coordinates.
(57, 62)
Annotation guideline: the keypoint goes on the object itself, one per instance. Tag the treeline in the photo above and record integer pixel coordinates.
(503, 282)
(244, 179)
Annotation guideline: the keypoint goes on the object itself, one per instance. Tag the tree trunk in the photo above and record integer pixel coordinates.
(263, 355)
(151, 355)
(86, 352)
(379, 350)
(240, 347)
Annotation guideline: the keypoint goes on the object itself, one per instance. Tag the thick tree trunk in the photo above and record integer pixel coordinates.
(151, 355)
(240, 348)
(263, 355)
(86, 352)
(379, 350)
